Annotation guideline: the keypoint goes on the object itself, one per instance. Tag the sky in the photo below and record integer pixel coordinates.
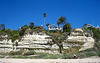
(16, 13)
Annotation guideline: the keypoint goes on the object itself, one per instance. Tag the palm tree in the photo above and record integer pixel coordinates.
(62, 20)
(44, 18)
(58, 23)
(48, 26)
(85, 25)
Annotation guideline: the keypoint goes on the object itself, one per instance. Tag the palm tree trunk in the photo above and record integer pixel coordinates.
(48, 28)
(44, 22)
(61, 28)
(58, 28)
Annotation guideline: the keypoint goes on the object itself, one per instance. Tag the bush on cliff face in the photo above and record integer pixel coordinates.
(14, 34)
(30, 53)
(23, 29)
(30, 31)
(96, 33)
(39, 29)
(15, 52)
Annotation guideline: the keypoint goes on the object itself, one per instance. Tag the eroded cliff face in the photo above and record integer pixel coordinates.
(38, 42)
(5, 43)
(81, 39)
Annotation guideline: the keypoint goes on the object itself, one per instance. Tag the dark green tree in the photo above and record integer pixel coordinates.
(26, 27)
(15, 35)
(21, 31)
(67, 27)
(2, 27)
(62, 20)
(58, 23)
(48, 26)
(31, 25)
(60, 46)
(85, 25)
(96, 33)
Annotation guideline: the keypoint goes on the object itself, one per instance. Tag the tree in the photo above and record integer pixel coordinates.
(2, 27)
(21, 31)
(58, 23)
(15, 35)
(60, 46)
(31, 25)
(62, 20)
(48, 26)
(16, 44)
(96, 33)
(67, 27)
(85, 25)
(44, 18)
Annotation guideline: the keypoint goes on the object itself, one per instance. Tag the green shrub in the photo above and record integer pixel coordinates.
(56, 56)
(20, 56)
(88, 50)
(67, 56)
(91, 53)
(15, 52)
(99, 54)
(81, 55)
(30, 53)
(41, 55)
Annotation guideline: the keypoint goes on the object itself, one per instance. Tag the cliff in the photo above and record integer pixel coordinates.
(40, 42)
(81, 39)
(5, 43)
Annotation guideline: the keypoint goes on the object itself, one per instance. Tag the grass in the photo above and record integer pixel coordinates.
(30, 53)
(56, 56)
(20, 56)
(15, 53)
(80, 55)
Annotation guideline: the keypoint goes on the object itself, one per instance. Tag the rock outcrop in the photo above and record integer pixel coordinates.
(38, 42)
(79, 38)
(5, 43)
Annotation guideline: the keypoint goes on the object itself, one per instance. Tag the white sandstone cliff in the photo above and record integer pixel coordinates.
(78, 37)
(5, 44)
(38, 42)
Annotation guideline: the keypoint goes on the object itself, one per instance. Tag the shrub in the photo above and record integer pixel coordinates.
(67, 56)
(91, 53)
(15, 52)
(20, 56)
(99, 54)
(56, 56)
(30, 53)
(90, 49)
(81, 55)
(41, 55)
